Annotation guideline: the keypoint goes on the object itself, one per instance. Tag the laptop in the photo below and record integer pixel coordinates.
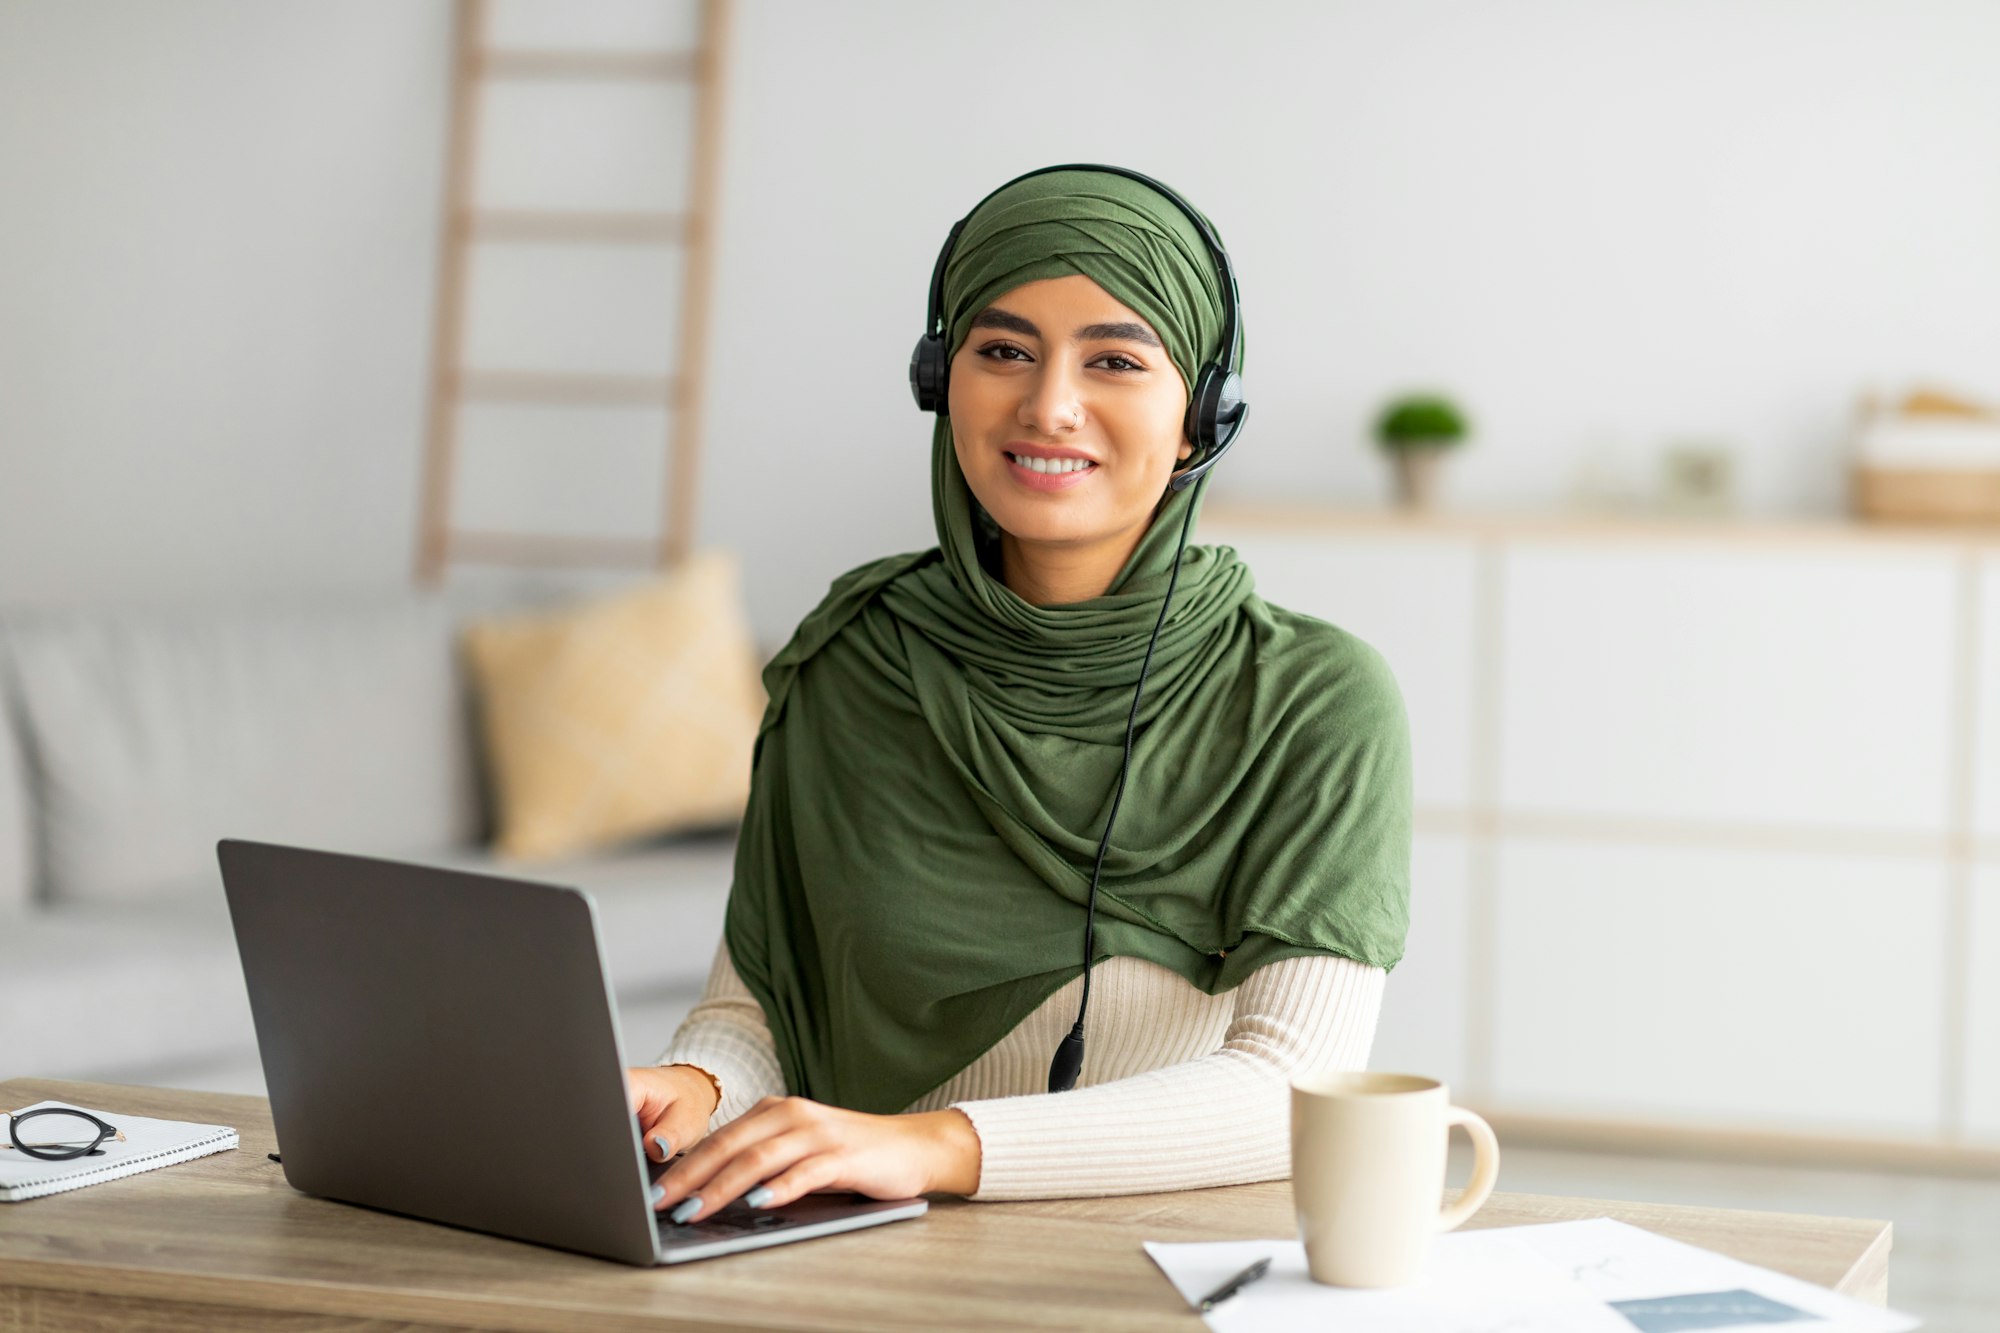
(444, 1044)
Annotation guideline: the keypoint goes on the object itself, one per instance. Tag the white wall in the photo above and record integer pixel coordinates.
(1602, 225)
(217, 226)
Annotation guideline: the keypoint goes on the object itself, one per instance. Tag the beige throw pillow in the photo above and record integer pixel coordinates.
(629, 715)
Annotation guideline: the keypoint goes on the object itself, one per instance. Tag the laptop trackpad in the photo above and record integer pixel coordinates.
(740, 1227)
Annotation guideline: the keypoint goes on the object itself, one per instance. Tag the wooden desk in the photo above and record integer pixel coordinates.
(222, 1243)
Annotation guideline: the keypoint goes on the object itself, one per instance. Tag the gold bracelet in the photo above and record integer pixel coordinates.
(714, 1082)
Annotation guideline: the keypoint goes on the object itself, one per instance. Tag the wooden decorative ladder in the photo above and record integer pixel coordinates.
(679, 390)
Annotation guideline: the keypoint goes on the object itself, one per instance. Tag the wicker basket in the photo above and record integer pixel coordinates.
(1926, 495)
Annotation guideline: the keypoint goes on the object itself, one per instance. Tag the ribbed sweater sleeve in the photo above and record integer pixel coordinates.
(1220, 1119)
(1180, 1089)
(727, 1035)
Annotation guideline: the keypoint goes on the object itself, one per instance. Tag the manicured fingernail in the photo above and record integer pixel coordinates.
(666, 1149)
(758, 1197)
(685, 1209)
(658, 1193)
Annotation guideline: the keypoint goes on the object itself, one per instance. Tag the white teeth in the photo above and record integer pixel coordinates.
(1051, 464)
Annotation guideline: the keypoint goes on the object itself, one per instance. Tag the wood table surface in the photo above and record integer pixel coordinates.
(223, 1243)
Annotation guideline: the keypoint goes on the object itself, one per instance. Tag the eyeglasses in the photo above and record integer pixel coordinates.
(60, 1133)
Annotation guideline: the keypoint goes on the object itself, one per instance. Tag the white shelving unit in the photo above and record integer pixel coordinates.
(1708, 816)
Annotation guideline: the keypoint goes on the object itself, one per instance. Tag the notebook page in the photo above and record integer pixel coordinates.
(148, 1144)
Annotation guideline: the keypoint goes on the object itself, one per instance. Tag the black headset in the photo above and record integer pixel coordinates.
(1215, 416)
(1216, 410)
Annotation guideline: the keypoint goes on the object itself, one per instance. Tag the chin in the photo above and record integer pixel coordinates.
(1035, 523)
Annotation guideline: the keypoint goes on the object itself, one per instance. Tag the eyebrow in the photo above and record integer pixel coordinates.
(993, 317)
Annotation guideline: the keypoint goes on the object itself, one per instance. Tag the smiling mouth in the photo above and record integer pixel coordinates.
(1050, 466)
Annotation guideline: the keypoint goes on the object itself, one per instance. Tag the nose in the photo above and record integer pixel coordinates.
(1051, 401)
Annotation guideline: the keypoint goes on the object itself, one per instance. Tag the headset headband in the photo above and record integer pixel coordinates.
(1230, 298)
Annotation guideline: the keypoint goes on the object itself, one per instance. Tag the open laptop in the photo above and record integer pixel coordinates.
(444, 1044)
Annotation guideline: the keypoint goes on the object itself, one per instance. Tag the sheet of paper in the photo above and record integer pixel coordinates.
(1594, 1276)
(1494, 1289)
(1655, 1282)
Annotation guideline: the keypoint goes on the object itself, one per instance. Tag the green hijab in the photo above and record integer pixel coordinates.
(935, 765)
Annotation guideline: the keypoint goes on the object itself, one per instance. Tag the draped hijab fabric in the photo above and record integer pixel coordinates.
(937, 760)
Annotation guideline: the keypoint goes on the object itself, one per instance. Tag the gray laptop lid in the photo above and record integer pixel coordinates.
(441, 1043)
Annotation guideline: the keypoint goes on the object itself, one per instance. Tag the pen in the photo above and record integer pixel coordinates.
(1236, 1284)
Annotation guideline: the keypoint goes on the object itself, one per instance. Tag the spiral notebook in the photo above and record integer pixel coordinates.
(148, 1144)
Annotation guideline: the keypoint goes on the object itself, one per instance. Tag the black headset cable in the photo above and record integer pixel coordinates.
(1068, 1061)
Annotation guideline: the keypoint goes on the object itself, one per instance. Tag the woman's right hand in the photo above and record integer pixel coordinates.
(672, 1102)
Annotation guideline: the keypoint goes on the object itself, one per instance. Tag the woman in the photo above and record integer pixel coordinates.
(938, 762)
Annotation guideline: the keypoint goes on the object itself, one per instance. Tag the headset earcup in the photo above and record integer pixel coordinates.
(930, 374)
(1226, 413)
(1215, 408)
(1201, 411)
(1216, 412)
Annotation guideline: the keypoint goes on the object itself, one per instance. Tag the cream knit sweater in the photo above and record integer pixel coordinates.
(1179, 1090)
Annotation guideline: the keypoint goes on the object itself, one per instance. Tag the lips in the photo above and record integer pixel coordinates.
(1050, 481)
(1021, 448)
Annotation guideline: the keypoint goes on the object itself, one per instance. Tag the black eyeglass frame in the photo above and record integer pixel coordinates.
(46, 1154)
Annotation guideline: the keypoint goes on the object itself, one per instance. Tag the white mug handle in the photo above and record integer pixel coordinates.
(1485, 1166)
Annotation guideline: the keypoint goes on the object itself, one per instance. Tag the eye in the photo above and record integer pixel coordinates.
(997, 351)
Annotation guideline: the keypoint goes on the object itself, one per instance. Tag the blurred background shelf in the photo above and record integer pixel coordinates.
(1708, 815)
(1642, 525)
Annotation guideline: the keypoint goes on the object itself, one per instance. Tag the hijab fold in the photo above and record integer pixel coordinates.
(937, 760)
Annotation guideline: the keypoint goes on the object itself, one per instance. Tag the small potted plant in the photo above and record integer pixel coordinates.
(1415, 430)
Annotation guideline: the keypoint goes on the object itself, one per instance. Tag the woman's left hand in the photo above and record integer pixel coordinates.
(791, 1146)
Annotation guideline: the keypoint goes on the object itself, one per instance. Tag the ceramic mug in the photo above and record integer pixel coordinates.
(1368, 1166)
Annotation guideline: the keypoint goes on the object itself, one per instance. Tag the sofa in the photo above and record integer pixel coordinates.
(133, 738)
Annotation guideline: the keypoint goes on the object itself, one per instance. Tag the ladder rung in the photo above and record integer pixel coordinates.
(524, 548)
(538, 63)
(519, 224)
(526, 386)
